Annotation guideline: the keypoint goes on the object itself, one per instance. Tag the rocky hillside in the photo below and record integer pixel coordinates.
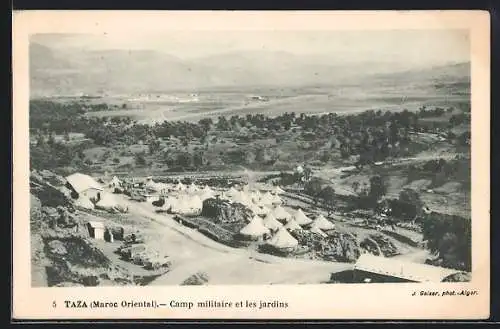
(61, 250)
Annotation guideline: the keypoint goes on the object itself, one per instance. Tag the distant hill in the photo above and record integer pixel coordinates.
(72, 71)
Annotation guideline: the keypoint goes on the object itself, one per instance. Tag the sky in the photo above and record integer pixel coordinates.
(424, 47)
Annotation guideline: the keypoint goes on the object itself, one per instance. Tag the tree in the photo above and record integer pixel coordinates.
(344, 150)
(412, 197)
(154, 146)
(140, 160)
(378, 187)
(328, 196)
(307, 174)
(184, 160)
(198, 159)
(313, 188)
(449, 236)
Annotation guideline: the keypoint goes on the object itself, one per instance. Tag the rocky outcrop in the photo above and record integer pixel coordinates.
(458, 277)
(341, 247)
(49, 189)
(223, 211)
(197, 279)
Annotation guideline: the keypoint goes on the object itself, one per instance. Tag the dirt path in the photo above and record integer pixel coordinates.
(224, 264)
(418, 256)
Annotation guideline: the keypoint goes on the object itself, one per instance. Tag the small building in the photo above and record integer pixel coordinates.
(83, 185)
(370, 268)
(96, 230)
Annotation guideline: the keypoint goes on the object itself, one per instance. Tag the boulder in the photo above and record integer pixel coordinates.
(458, 277)
(56, 247)
(49, 189)
(341, 247)
(350, 250)
(223, 211)
(197, 279)
(90, 281)
(35, 208)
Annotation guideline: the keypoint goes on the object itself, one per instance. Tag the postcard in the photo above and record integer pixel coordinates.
(251, 165)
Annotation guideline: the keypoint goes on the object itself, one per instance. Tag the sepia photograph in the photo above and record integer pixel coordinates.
(250, 157)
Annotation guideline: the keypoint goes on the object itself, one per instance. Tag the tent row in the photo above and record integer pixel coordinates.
(270, 224)
(185, 204)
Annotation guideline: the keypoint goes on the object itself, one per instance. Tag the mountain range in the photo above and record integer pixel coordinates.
(74, 71)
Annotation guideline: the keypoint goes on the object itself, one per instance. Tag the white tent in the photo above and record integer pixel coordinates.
(243, 198)
(261, 211)
(180, 186)
(317, 230)
(195, 203)
(170, 202)
(232, 192)
(255, 228)
(276, 199)
(280, 213)
(109, 203)
(283, 240)
(256, 196)
(206, 195)
(271, 223)
(206, 189)
(322, 223)
(266, 199)
(292, 225)
(301, 218)
(192, 188)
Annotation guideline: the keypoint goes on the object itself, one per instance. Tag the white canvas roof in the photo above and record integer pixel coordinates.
(317, 230)
(192, 188)
(170, 202)
(241, 197)
(206, 195)
(81, 182)
(292, 225)
(152, 185)
(195, 202)
(262, 210)
(400, 269)
(280, 213)
(107, 200)
(270, 222)
(232, 191)
(96, 224)
(322, 223)
(84, 202)
(266, 199)
(283, 239)
(301, 218)
(255, 228)
(276, 199)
